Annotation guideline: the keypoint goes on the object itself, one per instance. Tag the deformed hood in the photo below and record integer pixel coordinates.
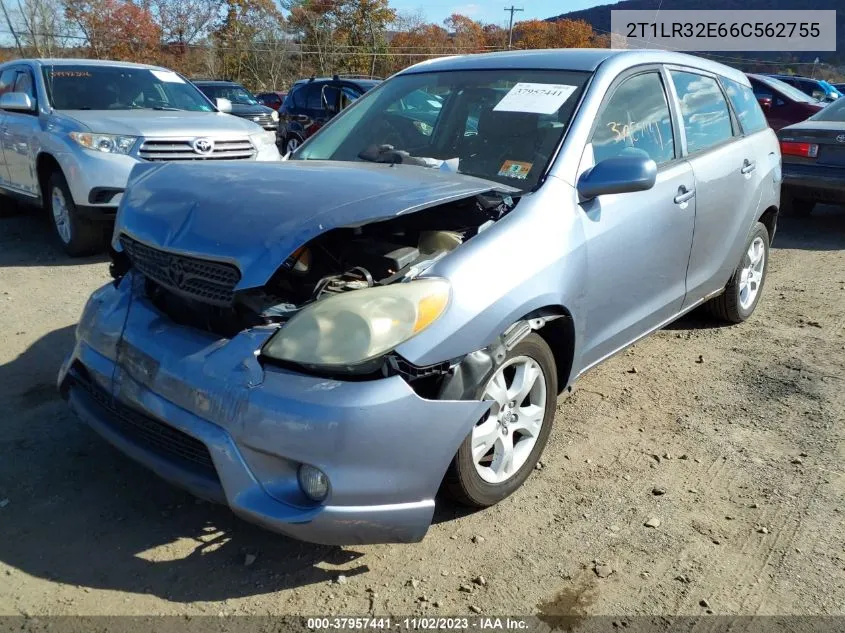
(256, 214)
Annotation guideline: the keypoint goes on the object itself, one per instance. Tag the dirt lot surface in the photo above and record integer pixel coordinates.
(730, 437)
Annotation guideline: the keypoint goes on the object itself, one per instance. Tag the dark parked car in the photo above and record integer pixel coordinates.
(782, 104)
(814, 160)
(840, 88)
(312, 102)
(815, 88)
(273, 99)
(244, 104)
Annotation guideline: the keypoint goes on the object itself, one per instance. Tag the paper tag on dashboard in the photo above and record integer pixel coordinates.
(535, 98)
(168, 76)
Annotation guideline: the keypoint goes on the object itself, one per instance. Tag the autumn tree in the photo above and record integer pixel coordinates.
(467, 35)
(236, 31)
(185, 21)
(115, 29)
(42, 27)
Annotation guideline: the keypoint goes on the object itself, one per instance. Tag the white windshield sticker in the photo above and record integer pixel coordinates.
(535, 98)
(168, 76)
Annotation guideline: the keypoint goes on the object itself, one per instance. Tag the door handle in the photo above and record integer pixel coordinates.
(748, 166)
(684, 194)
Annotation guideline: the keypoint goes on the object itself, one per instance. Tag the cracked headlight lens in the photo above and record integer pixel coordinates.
(351, 328)
(108, 143)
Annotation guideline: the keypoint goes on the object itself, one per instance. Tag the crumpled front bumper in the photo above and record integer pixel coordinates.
(154, 388)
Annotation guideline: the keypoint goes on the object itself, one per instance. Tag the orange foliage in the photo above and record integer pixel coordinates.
(115, 29)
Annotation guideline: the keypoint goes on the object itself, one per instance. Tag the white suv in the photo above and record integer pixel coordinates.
(71, 131)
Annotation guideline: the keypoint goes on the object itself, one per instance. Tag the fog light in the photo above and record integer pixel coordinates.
(313, 482)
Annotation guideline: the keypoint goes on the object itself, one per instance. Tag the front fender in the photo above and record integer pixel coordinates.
(531, 259)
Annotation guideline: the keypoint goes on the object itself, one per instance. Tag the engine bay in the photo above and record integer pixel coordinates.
(337, 261)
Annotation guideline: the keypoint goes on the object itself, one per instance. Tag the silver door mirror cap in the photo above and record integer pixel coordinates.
(17, 102)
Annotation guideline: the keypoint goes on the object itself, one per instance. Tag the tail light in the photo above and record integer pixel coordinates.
(792, 148)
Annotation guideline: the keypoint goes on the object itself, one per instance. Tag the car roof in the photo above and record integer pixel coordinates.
(44, 61)
(574, 59)
(348, 80)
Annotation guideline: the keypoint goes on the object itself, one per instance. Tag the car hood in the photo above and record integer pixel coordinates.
(256, 214)
(161, 123)
(243, 109)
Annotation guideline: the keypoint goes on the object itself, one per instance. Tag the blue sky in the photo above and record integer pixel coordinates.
(490, 11)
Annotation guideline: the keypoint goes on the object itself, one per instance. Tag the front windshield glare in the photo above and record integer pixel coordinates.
(502, 125)
(120, 88)
(235, 94)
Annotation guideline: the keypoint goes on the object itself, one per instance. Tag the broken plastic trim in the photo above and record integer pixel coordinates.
(466, 378)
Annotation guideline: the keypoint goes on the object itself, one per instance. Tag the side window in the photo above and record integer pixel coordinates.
(745, 105)
(705, 112)
(330, 95)
(297, 98)
(7, 79)
(636, 121)
(313, 97)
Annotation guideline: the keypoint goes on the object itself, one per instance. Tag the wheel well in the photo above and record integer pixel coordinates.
(559, 334)
(45, 165)
(770, 221)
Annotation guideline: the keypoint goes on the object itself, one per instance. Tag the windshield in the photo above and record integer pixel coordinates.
(235, 94)
(120, 88)
(834, 112)
(502, 125)
(788, 91)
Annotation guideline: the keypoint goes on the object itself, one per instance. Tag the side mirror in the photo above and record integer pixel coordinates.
(622, 174)
(17, 102)
(224, 105)
(765, 102)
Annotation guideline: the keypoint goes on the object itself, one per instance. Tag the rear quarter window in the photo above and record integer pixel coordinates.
(706, 117)
(749, 112)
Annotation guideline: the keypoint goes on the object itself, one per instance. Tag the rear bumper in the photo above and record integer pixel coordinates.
(383, 448)
(814, 182)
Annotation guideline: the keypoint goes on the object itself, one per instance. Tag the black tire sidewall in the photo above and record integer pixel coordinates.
(479, 492)
(759, 231)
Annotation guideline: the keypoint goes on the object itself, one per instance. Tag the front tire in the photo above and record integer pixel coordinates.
(504, 446)
(77, 235)
(743, 292)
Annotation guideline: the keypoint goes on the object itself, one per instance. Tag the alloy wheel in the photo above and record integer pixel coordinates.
(504, 439)
(61, 214)
(751, 276)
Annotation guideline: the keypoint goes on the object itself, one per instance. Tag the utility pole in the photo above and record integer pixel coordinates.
(512, 9)
(12, 28)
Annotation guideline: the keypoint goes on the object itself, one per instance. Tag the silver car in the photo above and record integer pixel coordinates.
(71, 130)
(325, 342)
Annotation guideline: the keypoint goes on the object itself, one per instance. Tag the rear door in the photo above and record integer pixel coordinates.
(638, 244)
(20, 137)
(727, 180)
(7, 82)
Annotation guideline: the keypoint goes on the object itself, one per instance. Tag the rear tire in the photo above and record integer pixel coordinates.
(77, 236)
(743, 291)
(482, 479)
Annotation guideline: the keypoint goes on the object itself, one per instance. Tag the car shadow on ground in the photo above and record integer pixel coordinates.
(80, 513)
(823, 230)
(27, 239)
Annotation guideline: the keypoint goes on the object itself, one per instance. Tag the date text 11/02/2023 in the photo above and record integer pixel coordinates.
(480, 623)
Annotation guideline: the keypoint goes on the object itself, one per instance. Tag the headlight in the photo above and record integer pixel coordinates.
(264, 138)
(352, 328)
(274, 115)
(108, 143)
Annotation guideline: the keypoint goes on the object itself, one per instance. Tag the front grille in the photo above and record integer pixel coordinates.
(183, 149)
(150, 433)
(264, 120)
(201, 279)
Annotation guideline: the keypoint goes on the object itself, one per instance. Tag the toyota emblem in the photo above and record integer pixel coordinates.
(203, 146)
(841, 138)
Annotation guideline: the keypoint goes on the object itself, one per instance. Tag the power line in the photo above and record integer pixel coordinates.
(512, 9)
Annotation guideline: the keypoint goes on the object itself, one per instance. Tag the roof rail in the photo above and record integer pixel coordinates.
(358, 77)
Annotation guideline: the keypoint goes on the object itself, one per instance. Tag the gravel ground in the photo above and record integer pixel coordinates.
(728, 440)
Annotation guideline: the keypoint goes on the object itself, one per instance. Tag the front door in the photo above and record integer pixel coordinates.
(638, 244)
(20, 134)
(7, 82)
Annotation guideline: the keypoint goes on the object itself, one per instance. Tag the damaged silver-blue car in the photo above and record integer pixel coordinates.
(325, 342)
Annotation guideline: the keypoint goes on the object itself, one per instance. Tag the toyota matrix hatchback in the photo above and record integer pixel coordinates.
(324, 342)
